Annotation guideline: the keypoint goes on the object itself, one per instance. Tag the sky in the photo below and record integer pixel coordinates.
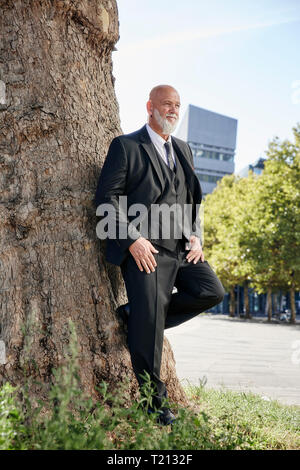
(238, 58)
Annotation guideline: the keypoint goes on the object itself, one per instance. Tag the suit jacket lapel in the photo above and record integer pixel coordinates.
(147, 144)
(191, 178)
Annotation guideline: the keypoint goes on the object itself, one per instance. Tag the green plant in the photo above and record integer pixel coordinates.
(10, 417)
(69, 419)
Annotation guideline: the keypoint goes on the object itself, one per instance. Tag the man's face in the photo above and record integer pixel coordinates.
(164, 106)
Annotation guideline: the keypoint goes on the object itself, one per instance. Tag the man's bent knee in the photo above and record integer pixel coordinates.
(219, 295)
(213, 299)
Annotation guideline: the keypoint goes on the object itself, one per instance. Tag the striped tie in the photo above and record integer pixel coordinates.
(169, 156)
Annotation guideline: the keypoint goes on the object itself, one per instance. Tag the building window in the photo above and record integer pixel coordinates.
(211, 154)
(208, 178)
(227, 157)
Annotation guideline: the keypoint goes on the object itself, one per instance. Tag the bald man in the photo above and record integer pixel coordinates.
(149, 182)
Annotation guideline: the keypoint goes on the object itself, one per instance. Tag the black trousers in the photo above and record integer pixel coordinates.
(153, 306)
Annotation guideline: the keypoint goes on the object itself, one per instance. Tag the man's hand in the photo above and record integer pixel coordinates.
(195, 252)
(142, 251)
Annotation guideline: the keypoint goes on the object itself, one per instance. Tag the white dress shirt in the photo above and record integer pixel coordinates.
(159, 142)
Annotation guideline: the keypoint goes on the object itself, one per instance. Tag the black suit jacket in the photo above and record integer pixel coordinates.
(131, 169)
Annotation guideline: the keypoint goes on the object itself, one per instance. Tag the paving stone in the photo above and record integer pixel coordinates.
(235, 354)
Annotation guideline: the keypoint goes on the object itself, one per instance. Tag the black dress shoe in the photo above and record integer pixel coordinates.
(165, 416)
(123, 313)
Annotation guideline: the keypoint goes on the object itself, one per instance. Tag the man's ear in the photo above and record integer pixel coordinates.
(149, 107)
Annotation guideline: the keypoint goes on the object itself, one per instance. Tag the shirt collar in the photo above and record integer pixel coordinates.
(156, 138)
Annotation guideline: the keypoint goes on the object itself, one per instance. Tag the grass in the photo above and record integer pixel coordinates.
(215, 419)
(242, 420)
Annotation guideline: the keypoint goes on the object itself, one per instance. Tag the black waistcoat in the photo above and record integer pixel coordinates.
(164, 222)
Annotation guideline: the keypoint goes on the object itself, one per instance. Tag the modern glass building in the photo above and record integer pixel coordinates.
(212, 138)
(256, 167)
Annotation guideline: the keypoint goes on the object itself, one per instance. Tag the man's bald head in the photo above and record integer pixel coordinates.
(159, 90)
(163, 109)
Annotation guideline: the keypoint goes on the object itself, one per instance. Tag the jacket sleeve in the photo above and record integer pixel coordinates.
(111, 186)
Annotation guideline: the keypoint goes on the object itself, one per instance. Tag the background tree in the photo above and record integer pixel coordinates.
(272, 235)
(255, 240)
(243, 193)
(252, 226)
(282, 172)
(58, 115)
(226, 219)
(220, 242)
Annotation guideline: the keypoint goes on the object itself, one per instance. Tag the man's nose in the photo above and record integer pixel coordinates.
(173, 109)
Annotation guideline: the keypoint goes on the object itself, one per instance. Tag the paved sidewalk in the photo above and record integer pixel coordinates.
(239, 355)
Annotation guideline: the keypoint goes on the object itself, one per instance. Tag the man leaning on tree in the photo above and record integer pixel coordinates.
(155, 170)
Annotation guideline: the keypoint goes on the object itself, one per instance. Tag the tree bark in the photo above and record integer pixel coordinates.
(293, 305)
(276, 303)
(269, 303)
(58, 115)
(246, 300)
(232, 302)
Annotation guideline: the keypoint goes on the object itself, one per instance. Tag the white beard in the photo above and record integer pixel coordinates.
(166, 126)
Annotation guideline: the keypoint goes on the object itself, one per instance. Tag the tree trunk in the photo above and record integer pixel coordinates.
(232, 302)
(293, 305)
(269, 303)
(246, 300)
(58, 115)
(276, 303)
